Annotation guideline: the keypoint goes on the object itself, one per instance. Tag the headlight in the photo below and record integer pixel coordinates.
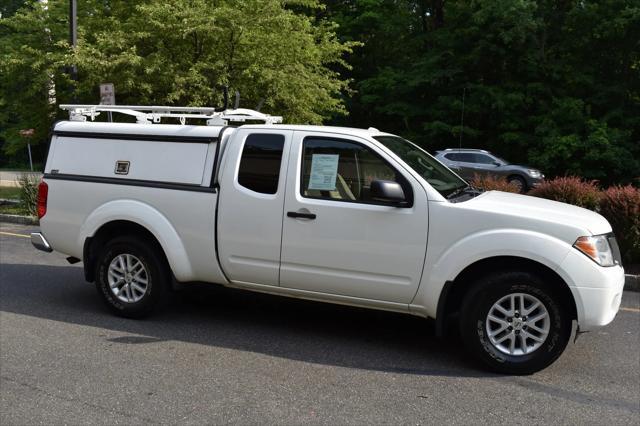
(597, 248)
(534, 173)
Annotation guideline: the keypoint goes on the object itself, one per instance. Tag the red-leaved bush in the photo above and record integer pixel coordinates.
(492, 183)
(621, 206)
(571, 190)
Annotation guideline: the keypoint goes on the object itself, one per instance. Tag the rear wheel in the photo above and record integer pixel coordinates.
(514, 322)
(132, 277)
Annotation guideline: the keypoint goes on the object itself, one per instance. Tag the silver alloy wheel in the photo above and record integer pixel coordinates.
(128, 278)
(518, 324)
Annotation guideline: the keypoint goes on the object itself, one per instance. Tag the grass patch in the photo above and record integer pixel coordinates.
(10, 192)
(14, 209)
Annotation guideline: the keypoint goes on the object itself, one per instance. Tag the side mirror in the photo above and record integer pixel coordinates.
(388, 191)
(497, 163)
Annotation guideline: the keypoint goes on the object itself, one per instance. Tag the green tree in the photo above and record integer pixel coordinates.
(32, 57)
(171, 53)
(9, 7)
(554, 84)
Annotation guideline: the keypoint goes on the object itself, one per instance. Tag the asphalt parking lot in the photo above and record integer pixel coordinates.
(217, 355)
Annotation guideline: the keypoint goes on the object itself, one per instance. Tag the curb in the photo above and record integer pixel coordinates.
(15, 218)
(631, 282)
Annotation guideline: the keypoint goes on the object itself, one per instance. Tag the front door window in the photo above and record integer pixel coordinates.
(335, 169)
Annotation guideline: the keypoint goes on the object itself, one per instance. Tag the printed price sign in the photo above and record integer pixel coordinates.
(324, 170)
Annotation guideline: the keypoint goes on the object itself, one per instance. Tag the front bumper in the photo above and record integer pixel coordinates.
(600, 306)
(40, 242)
(534, 182)
(597, 290)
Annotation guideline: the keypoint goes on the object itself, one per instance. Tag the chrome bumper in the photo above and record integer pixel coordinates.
(40, 242)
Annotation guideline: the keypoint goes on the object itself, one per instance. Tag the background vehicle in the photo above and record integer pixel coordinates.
(350, 216)
(469, 162)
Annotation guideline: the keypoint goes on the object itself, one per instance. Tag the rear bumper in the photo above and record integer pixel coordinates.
(40, 242)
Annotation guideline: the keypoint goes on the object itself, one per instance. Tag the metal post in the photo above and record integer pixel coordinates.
(73, 36)
(30, 159)
(464, 90)
(73, 22)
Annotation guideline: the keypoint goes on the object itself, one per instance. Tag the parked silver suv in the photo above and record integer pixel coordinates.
(470, 162)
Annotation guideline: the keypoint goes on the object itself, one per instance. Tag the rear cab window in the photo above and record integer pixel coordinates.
(260, 163)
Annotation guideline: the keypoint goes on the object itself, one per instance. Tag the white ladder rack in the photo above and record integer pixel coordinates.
(153, 114)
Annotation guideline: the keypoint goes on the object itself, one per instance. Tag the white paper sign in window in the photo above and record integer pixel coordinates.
(324, 170)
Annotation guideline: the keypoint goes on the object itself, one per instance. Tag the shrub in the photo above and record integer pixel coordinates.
(621, 206)
(571, 190)
(491, 183)
(29, 193)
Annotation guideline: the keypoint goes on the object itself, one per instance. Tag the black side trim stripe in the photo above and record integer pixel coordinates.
(130, 182)
(136, 137)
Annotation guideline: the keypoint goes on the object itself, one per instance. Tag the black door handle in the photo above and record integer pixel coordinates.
(301, 215)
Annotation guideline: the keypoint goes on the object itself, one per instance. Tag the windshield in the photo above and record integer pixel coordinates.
(438, 175)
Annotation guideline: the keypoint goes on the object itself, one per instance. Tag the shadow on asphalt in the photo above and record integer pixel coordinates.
(217, 316)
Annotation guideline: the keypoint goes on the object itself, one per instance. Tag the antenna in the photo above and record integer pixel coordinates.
(464, 89)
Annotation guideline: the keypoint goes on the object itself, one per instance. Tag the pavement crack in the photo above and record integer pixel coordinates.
(569, 395)
(78, 401)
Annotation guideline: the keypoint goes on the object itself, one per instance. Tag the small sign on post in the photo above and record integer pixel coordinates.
(28, 134)
(107, 96)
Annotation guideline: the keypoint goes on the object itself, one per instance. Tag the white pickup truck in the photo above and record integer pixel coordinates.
(341, 215)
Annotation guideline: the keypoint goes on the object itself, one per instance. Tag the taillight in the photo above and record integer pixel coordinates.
(43, 192)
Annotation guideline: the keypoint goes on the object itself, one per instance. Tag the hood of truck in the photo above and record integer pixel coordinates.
(540, 214)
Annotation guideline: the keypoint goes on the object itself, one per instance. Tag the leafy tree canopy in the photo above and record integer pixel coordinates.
(169, 53)
(553, 84)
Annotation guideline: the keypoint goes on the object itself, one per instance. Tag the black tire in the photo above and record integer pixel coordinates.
(156, 274)
(519, 182)
(481, 298)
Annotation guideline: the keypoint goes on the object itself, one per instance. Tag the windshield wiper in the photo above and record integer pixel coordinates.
(458, 191)
(463, 189)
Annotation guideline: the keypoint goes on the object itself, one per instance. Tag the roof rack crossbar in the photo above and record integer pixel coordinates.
(154, 114)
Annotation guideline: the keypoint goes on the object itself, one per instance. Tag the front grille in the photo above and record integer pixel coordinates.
(615, 249)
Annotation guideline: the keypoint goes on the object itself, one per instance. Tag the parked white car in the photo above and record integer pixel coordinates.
(342, 215)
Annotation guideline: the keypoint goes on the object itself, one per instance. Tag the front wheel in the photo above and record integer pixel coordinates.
(132, 276)
(514, 322)
(519, 183)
